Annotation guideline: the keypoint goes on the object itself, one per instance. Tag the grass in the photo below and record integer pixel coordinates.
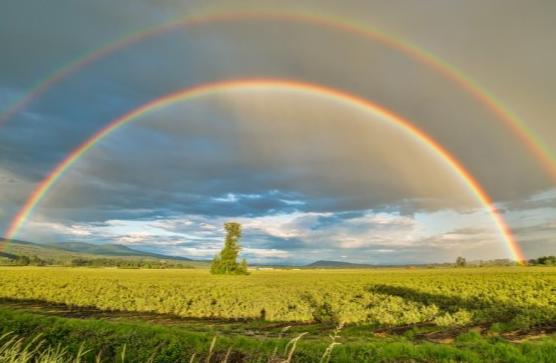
(14, 349)
(41, 339)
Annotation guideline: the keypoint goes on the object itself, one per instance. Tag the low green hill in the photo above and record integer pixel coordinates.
(112, 250)
(67, 252)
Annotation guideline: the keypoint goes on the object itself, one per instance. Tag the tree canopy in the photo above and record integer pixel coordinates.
(225, 263)
(461, 262)
(543, 261)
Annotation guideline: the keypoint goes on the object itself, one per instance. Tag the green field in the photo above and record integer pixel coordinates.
(497, 314)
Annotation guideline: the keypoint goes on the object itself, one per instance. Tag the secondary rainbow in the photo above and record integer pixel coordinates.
(527, 136)
(332, 94)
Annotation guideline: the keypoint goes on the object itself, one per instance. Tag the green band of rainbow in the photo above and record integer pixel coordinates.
(325, 92)
(526, 135)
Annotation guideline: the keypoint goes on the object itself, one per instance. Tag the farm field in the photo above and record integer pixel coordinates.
(434, 308)
(525, 297)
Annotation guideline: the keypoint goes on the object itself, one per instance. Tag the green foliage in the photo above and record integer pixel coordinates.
(461, 262)
(216, 265)
(128, 263)
(242, 268)
(543, 261)
(40, 339)
(14, 349)
(25, 261)
(225, 263)
(459, 318)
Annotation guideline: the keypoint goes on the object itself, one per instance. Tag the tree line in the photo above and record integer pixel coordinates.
(543, 261)
(24, 260)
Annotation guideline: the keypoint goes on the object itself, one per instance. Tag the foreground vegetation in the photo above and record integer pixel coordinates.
(72, 340)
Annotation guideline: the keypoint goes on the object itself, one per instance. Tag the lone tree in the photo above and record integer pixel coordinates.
(461, 262)
(225, 262)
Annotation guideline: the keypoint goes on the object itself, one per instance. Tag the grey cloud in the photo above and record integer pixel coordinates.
(520, 205)
(537, 239)
(38, 38)
(546, 228)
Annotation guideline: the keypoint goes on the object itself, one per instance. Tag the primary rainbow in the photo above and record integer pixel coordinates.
(332, 94)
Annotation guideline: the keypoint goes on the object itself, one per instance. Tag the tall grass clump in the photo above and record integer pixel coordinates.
(14, 349)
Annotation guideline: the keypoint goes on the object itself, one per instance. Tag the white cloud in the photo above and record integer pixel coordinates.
(258, 253)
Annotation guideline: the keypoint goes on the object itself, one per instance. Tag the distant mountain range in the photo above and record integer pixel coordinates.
(73, 250)
(111, 250)
(338, 264)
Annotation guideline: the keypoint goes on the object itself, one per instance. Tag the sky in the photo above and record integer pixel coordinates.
(309, 174)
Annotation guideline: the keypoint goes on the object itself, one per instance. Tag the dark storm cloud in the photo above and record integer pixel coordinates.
(152, 67)
(37, 38)
(537, 239)
(544, 228)
(519, 205)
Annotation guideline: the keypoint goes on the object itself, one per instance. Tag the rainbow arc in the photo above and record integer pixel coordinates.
(328, 93)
